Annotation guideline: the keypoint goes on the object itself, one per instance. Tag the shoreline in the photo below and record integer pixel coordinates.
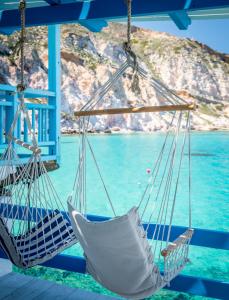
(121, 132)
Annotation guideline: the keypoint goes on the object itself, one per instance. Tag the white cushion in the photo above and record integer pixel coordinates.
(118, 254)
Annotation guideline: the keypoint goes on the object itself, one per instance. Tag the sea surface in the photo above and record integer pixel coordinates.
(125, 162)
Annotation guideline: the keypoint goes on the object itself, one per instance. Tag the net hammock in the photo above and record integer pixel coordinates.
(33, 225)
(118, 253)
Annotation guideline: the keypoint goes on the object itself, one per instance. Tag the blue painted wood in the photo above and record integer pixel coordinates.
(54, 78)
(10, 111)
(33, 119)
(13, 4)
(25, 132)
(18, 133)
(187, 4)
(99, 10)
(53, 2)
(46, 125)
(29, 93)
(42, 124)
(202, 237)
(94, 25)
(37, 106)
(181, 19)
(7, 88)
(47, 143)
(1, 124)
(182, 283)
(9, 108)
(6, 103)
(39, 125)
(25, 157)
(200, 286)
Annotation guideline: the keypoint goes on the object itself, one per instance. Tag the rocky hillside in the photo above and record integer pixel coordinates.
(191, 69)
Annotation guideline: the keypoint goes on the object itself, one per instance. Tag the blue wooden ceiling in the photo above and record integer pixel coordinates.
(95, 14)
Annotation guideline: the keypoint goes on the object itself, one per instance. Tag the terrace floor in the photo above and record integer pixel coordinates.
(17, 286)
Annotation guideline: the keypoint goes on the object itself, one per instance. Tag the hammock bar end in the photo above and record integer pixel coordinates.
(32, 148)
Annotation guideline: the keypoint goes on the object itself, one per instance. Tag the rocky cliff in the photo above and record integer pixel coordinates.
(191, 69)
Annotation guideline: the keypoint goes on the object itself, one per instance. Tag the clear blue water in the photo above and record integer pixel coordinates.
(124, 159)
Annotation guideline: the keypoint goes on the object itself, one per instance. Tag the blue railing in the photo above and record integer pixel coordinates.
(45, 117)
(41, 118)
(182, 283)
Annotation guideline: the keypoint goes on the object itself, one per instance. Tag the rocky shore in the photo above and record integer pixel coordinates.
(191, 69)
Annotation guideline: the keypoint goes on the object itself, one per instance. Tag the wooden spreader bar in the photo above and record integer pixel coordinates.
(27, 146)
(134, 110)
(181, 240)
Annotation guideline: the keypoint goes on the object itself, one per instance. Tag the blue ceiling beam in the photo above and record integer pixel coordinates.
(100, 10)
(53, 2)
(181, 17)
(94, 25)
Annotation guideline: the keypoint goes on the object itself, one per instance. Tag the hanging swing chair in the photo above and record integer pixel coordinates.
(118, 254)
(33, 227)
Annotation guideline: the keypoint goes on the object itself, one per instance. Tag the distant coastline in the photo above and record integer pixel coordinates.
(129, 132)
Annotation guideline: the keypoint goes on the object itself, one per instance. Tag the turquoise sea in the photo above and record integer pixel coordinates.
(123, 160)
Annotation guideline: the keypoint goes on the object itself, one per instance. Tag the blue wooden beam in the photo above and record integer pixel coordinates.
(181, 17)
(53, 2)
(202, 237)
(10, 111)
(54, 84)
(182, 283)
(200, 286)
(29, 93)
(94, 25)
(99, 10)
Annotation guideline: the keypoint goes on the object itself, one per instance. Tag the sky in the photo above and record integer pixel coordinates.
(214, 33)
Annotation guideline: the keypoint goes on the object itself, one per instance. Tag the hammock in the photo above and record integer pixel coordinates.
(33, 227)
(117, 252)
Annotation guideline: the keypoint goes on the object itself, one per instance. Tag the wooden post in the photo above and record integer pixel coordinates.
(134, 110)
(54, 83)
(10, 111)
(1, 124)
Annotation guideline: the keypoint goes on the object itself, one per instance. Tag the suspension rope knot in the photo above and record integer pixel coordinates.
(21, 88)
(127, 44)
(131, 56)
(130, 53)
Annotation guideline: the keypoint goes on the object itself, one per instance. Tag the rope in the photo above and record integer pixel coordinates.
(127, 44)
(131, 56)
(32, 194)
(21, 86)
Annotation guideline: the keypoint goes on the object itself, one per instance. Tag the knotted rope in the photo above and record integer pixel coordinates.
(131, 56)
(21, 86)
